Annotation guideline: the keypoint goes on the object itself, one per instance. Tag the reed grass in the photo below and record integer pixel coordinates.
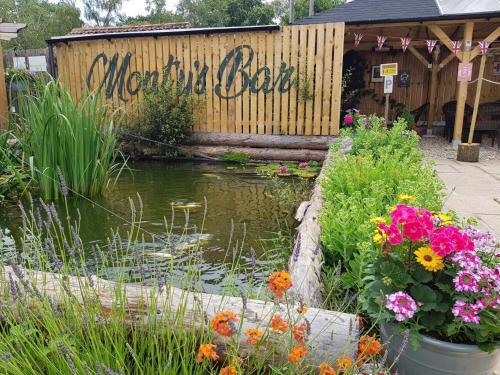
(67, 139)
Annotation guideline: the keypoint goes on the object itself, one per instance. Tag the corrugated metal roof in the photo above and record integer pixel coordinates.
(373, 11)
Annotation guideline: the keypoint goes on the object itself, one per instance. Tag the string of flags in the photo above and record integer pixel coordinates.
(430, 43)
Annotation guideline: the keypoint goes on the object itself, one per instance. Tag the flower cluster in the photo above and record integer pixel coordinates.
(279, 282)
(402, 304)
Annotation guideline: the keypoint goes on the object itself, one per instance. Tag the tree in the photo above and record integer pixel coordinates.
(302, 8)
(220, 13)
(102, 12)
(157, 13)
(43, 19)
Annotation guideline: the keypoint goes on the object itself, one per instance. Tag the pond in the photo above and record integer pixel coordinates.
(244, 212)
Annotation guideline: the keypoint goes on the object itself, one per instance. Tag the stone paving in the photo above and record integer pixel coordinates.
(473, 188)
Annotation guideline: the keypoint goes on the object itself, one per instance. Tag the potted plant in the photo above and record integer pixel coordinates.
(439, 286)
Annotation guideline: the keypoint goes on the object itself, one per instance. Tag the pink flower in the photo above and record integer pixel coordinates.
(403, 214)
(392, 232)
(402, 304)
(413, 231)
(446, 240)
(348, 120)
(466, 311)
(282, 169)
(304, 165)
(466, 259)
(466, 281)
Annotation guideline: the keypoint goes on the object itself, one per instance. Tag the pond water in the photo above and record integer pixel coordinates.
(244, 210)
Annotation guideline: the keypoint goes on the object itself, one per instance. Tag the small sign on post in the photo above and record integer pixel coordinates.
(388, 71)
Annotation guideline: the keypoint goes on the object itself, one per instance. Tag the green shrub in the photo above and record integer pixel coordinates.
(167, 116)
(236, 157)
(366, 183)
(63, 137)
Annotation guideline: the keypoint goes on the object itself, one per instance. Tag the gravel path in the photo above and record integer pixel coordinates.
(439, 148)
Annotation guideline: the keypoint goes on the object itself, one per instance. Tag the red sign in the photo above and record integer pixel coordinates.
(464, 72)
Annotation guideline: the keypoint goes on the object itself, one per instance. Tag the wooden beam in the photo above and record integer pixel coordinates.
(446, 60)
(433, 88)
(4, 109)
(7, 36)
(478, 97)
(444, 38)
(462, 89)
(419, 56)
(490, 38)
(338, 57)
(11, 27)
(388, 25)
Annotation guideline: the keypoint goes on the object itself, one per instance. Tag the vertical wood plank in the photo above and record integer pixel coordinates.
(327, 79)
(254, 42)
(238, 41)
(246, 94)
(215, 43)
(301, 77)
(207, 43)
(294, 62)
(223, 45)
(311, 52)
(269, 95)
(261, 100)
(338, 56)
(319, 77)
(278, 40)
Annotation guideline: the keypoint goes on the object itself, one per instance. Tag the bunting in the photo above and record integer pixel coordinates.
(483, 46)
(381, 40)
(431, 43)
(405, 42)
(357, 38)
(456, 45)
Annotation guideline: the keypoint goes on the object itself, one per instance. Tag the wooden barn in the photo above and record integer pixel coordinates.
(428, 39)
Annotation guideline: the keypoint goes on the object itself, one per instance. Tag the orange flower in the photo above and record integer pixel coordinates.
(278, 324)
(253, 335)
(299, 333)
(326, 369)
(302, 309)
(279, 282)
(207, 351)
(229, 370)
(297, 353)
(344, 363)
(222, 323)
(369, 346)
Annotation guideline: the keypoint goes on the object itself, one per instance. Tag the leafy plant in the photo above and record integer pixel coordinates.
(167, 116)
(67, 140)
(408, 118)
(433, 278)
(13, 177)
(236, 157)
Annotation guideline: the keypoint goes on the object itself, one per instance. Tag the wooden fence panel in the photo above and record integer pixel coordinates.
(262, 82)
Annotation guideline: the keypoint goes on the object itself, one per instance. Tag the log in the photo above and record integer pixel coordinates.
(256, 153)
(331, 333)
(468, 152)
(306, 260)
(260, 141)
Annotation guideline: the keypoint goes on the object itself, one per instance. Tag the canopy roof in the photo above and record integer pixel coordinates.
(380, 11)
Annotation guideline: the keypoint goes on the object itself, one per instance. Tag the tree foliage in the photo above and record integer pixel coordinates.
(44, 19)
(301, 8)
(220, 13)
(102, 12)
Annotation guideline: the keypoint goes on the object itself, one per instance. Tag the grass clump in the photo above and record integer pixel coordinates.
(236, 157)
(382, 166)
(67, 139)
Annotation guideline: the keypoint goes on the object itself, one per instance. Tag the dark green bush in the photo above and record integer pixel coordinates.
(167, 116)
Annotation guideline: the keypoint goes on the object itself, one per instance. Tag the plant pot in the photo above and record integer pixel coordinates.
(468, 152)
(436, 357)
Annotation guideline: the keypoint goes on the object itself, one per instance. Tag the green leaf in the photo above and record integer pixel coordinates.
(422, 275)
(423, 293)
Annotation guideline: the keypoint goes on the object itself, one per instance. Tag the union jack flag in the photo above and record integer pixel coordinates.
(381, 40)
(483, 46)
(405, 42)
(431, 43)
(357, 38)
(456, 45)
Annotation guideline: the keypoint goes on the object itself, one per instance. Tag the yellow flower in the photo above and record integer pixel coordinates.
(378, 220)
(379, 237)
(406, 198)
(444, 219)
(429, 259)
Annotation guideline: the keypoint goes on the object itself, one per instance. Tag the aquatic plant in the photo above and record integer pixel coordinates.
(67, 140)
(13, 176)
(236, 157)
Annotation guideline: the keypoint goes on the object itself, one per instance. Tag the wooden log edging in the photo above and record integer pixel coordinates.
(332, 334)
(307, 258)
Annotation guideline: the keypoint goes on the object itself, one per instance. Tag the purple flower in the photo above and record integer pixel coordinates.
(283, 169)
(402, 304)
(466, 281)
(483, 241)
(304, 165)
(466, 311)
(467, 259)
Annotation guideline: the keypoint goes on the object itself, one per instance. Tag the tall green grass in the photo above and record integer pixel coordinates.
(61, 136)
(13, 177)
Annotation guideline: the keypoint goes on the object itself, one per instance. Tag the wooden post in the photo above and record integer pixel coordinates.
(4, 109)
(478, 97)
(338, 58)
(386, 112)
(433, 90)
(462, 89)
